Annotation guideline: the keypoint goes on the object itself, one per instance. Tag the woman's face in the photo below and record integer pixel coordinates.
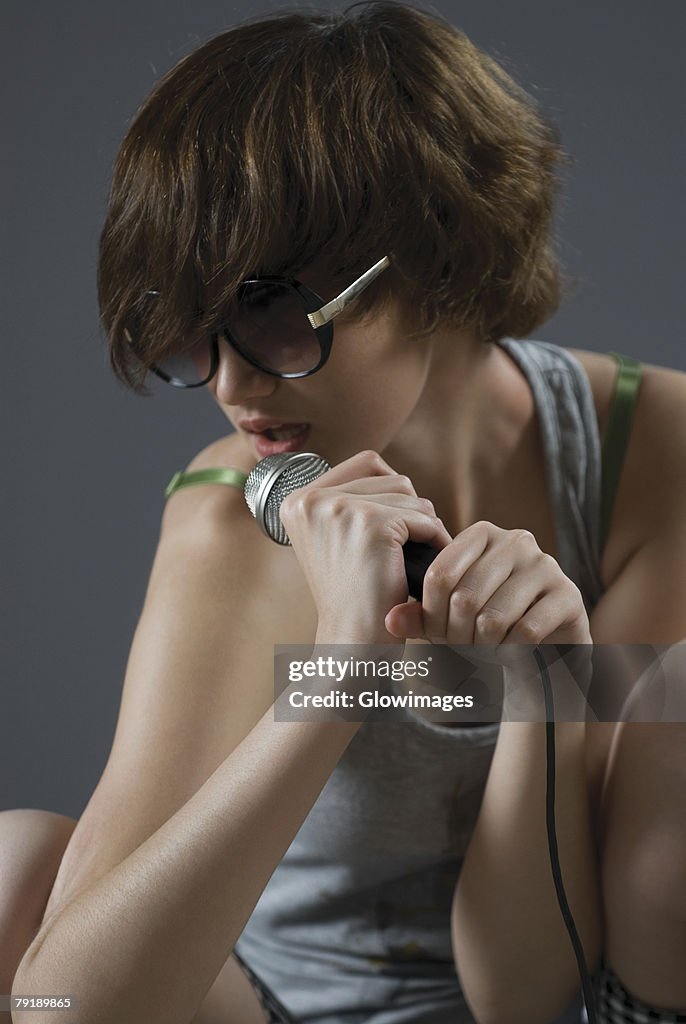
(360, 399)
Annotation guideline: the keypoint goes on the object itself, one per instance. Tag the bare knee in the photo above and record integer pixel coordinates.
(654, 869)
(645, 911)
(644, 856)
(32, 844)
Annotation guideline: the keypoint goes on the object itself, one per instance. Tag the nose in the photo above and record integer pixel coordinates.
(237, 381)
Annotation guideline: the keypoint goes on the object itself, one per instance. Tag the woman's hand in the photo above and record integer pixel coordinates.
(494, 587)
(347, 529)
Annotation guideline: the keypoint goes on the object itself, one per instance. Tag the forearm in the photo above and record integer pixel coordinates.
(145, 942)
(512, 949)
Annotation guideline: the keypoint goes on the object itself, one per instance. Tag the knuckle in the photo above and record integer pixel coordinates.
(299, 503)
(428, 506)
(404, 483)
(490, 621)
(577, 612)
(435, 577)
(483, 525)
(465, 600)
(337, 505)
(570, 596)
(373, 461)
(529, 631)
(291, 505)
(522, 536)
(548, 561)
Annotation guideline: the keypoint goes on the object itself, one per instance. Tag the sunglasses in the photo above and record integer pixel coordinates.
(280, 326)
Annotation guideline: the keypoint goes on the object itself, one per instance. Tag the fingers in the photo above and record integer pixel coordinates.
(492, 586)
(365, 509)
(337, 491)
(349, 501)
(557, 617)
(484, 612)
(364, 473)
(367, 463)
(417, 525)
(417, 529)
(446, 573)
(405, 620)
(397, 483)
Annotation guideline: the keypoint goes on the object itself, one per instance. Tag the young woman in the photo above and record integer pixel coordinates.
(231, 867)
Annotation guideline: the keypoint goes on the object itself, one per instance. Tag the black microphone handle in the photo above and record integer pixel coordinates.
(418, 557)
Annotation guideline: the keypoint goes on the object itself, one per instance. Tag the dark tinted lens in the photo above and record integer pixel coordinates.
(271, 327)
(192, 366)
(188, 367)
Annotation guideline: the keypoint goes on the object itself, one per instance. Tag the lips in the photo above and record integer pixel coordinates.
(259, 424)
(266, 445)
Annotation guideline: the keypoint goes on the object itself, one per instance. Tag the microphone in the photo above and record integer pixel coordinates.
(277, 475)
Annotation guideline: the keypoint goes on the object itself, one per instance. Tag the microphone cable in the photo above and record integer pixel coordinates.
(586, 984)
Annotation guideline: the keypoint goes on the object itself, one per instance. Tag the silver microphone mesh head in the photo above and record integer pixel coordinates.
(272, 479)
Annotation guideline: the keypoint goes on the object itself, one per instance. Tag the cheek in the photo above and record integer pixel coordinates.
(399, 376)
(373, 408)
(384, 353)
(373, 381)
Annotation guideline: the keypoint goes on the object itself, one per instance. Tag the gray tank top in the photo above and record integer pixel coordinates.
(354, 924)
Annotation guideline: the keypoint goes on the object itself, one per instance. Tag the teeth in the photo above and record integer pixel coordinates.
(283, 433)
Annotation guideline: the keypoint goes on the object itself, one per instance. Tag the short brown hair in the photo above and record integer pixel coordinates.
(309, 134)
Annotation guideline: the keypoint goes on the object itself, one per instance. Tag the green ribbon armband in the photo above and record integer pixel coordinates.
(219, 475)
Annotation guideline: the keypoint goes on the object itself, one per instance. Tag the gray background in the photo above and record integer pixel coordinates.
(84, 463)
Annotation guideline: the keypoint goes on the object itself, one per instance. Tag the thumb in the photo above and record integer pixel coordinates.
(405, 620)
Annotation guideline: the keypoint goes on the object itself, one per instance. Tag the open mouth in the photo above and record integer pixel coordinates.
(281, 439)
(284, 433)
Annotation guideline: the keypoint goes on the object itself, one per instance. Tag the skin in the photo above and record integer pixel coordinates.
(455, 417)
(456, 420)
(464, 456)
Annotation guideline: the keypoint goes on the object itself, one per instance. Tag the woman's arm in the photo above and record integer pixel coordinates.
(512, 949)
(203, 791)
(145, 942)
(495, 591)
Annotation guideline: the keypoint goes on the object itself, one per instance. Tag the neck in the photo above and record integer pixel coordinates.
(460, 442)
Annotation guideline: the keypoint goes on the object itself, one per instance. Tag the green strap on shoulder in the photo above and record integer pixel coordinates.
(617, 434)
(219, 475)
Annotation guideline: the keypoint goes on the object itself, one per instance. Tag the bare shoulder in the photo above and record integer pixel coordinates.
(601, 371)
(212, 521)
(211, 502)
(658, 430)
(660, 388)
(652, 472)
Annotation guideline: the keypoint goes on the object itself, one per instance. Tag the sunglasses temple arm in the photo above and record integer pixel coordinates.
(333, 308)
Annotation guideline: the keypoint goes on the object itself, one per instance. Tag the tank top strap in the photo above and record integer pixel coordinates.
(214, 475)
(571, 449)
(617, 433)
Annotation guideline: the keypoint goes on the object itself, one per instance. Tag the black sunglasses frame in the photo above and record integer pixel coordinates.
(311, 303)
